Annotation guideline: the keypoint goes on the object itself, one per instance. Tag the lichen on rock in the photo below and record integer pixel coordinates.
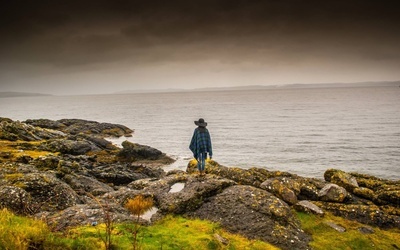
(256, 214)
(341, 178)
(332, 192)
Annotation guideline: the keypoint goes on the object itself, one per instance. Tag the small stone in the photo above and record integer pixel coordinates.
(336, 227)
(221, 239)
(366, 230)
(308, 207)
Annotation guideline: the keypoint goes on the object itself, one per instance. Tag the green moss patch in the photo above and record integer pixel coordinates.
(355, 236)
(11, 151)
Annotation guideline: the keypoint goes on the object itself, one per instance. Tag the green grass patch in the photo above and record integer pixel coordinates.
(19, 232)
(327, 238)
(181, 233)
(173, 232)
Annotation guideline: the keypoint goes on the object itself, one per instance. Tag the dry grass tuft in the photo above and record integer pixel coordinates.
(139, 205)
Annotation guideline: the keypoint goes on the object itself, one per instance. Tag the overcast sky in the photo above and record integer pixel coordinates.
(99, 46)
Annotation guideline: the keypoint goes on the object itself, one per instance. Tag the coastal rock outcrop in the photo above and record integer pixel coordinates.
(325, 196)
(367, 214)
(84, 214)
(255, 213)
(192, 196)
(45, 170)
(77, 126)
(284, 188)
(67, 173)
(380, 191)
(67, 146)
(123, 174)
(37, 192)
(134, 151)
(15, 130)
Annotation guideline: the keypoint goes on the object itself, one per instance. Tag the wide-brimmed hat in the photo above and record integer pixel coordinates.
(200, 122)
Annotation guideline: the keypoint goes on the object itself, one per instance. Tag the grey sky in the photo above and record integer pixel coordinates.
(101, 46)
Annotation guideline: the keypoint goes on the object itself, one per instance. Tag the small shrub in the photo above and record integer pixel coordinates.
(138, 206)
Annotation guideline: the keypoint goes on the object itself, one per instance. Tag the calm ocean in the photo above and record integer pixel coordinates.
(303, 131)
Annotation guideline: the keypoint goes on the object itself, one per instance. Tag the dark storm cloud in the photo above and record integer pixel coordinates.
(57, 37)
(84, 32)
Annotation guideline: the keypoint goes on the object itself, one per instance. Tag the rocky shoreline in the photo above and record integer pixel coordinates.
(65, 171)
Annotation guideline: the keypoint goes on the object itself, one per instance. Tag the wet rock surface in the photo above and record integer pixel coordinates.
(254, 213)
(68, 174)
(134, 151)
(77, 126)
(362, 204)
(15, 130)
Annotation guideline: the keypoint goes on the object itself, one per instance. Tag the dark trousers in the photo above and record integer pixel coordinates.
(201, 161)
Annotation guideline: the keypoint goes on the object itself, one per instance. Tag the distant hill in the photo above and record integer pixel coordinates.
(260, 87)
(343, 85)
(20, 94)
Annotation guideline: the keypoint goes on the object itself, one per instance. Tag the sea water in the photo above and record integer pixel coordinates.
(302, 131)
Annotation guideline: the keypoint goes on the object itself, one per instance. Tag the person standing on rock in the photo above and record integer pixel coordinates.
(201, 145)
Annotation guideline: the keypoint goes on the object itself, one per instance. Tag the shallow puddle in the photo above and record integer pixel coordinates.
(149, 214)
(177, 187)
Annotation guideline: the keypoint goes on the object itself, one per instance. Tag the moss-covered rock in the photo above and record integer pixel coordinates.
(77, 126)
(252, 176)
(98, 141)
(365, 193)
(92, 213)
(67, 146)
(367, 214)
(123, 174)
(46, 123)
(341, 178)
(16, 199)
(390, 196)
(383, 192)
(47, 192)
(309, 190)
(372, 182)
(85, 185)
(192, 196)
(15, 130)
(283, 188)
(134, 151)
(47, 163)
(255, 213)
(332, 192)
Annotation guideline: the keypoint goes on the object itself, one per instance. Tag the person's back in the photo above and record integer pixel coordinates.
(200, 144)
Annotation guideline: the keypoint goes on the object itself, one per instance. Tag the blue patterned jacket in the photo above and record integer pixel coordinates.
(201, 142)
